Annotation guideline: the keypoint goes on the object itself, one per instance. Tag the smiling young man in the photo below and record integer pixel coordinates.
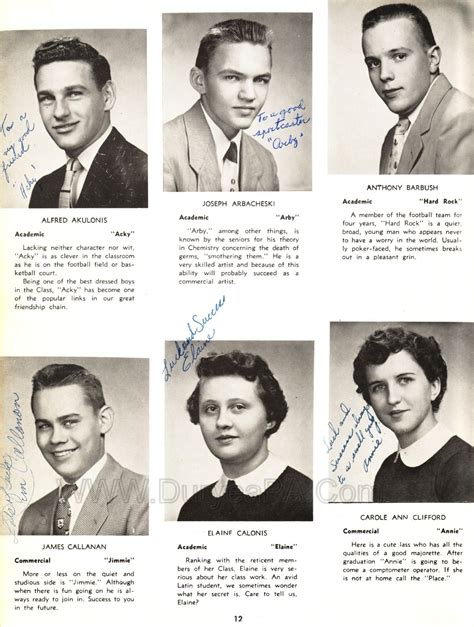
(96, 495)
(403, 376)
(205, 149)
(75, 96)
(435, 129)
(238, 404)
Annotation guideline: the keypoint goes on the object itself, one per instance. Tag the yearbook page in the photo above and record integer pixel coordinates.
(237, 341)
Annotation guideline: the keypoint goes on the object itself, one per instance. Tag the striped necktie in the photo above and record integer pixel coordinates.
(66, 195)
(397, 146)
(62, 516)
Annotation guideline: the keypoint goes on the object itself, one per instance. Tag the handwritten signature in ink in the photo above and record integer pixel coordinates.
(352, 436)
(16, 132)
(273, 125)
(186, 351)
(15, 473)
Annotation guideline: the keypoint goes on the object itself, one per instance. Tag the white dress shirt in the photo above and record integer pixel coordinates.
(84, 485)
(412, 117)
(229, 170)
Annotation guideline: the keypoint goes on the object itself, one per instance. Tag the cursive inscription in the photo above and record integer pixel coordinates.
(353, 440)
(274, 126)
(188, 350)
(15, 475)
(17, 168)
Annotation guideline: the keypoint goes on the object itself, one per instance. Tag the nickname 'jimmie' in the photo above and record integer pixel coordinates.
(96, 495)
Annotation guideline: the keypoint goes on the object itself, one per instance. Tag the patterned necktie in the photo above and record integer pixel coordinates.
(231, 153)
(66, 195)
(397, 146)
(62, 517)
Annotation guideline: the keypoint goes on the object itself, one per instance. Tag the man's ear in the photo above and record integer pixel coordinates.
(108, 93)
(434, 54)
(197, 80)
(106, 418)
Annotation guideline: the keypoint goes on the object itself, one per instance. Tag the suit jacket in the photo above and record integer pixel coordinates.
(117, 179)
(190, 162)
(117, 505)
(442, 138)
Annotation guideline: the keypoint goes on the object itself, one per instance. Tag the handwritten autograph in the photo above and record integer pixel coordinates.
(15, 471)
(187, 351)
(288, 117)
(16, 132)
(361, 437)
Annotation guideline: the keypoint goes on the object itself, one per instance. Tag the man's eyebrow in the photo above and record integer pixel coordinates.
(404, 48)
(231, 71)
(391, 51)
(44, 92)
(67, 88)
(65, 417)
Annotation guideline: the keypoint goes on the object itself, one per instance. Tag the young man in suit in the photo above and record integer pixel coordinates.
(96, 495)
(75, 95)
(205, 149)
(435, 130)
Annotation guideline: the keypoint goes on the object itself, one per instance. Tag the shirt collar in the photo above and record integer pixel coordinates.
(423, 449)
(255, 482)
(87, 156)
(221, 142)
(414, 114)
(85, 482)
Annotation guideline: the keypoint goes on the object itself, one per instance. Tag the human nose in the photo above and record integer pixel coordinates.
(393, 395)
(386, 71)
(61, 108)
(247, 91)
(58, 435)
(223, 419)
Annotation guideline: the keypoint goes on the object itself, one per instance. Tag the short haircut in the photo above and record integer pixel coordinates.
(393, 11)
(232, 31)
(73, 49)
(59, 375)
(378, 347)
(251, 368)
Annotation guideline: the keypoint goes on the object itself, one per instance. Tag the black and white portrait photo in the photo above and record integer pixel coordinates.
(239, 432)
(237, 102)
(73, 466)
(408, 70)
(74, 133)
(401, 412)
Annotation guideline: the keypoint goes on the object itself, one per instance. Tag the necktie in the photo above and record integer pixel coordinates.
(231, 153)
(62, 517)
(66, 195)
(397, 146)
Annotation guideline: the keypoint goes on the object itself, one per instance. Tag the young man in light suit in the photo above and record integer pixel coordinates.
(96, 495)
(435, 131)
(75, 95)
(205, 148)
